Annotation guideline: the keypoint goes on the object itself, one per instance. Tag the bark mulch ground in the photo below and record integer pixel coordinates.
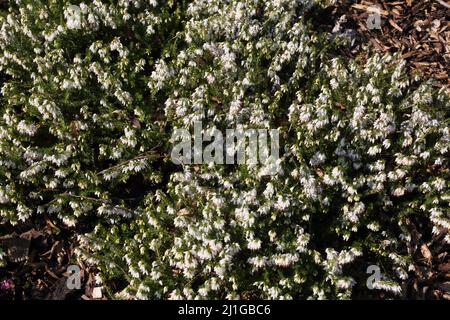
(38, 256)
(417, 29)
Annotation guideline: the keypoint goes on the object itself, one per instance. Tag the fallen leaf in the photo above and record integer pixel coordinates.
(426, 253)
(184, 212)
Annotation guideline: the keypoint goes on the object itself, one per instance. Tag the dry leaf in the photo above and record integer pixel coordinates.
(426, 253)
(184, 212)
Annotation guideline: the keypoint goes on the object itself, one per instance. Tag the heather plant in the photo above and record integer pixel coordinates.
(91, 99)
(365, 153)
(80, 128)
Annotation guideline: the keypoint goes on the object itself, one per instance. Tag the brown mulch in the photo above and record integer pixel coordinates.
(431, 259)
(38, 255)
(417, 29)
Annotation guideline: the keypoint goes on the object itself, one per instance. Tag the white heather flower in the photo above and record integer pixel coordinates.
(258, 262)
(334, 84)
(374, 150)
(282, 204)
(28, 129)
(285, 260)
(387, 286)
(254, 244)
(345, 283)
(397, 192)
(269, 192)
(439, 184)
(73, 17)
(317, 159)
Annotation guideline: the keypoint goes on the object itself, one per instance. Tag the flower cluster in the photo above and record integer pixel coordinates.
(85, 127)
(357, 158)
(79, 124)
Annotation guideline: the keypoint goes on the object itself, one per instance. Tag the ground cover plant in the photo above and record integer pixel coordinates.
(92, 92)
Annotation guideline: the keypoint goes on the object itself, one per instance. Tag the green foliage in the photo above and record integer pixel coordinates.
(86, 126)
(80, 129)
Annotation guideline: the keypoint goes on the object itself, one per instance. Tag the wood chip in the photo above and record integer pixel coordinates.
(396, 26)
(372, 9)
(426, 253)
